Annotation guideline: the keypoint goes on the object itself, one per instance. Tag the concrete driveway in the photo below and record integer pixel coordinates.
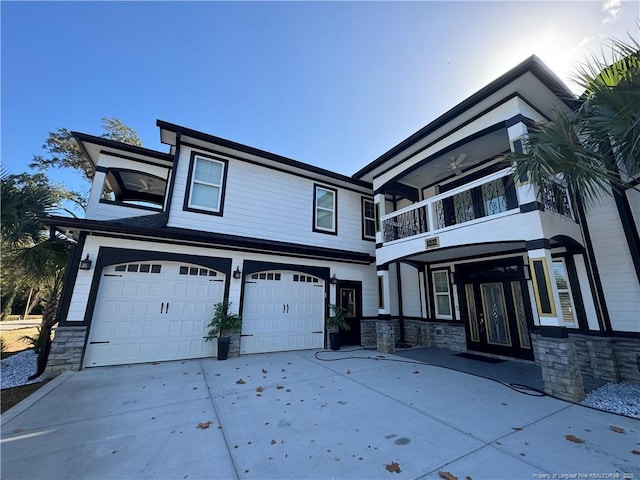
(289, 415)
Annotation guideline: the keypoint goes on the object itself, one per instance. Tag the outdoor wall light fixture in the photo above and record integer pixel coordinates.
(86, 263)
(334, 280)
(237, 273)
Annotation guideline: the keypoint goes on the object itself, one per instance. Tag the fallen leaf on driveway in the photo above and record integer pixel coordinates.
(264, 371)
(273, 442)
(635, 452)
(241, 382)
(517, 429)
(203, 425)
(415, 372)
(617, 429)
(348, 372)
(259, 389)
(573, 439)
(447, 476)
(16, 430)
(279, 387)
(393, 467)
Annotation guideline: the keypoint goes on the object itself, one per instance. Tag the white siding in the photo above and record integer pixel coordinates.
(616, 269)
(410, 291)
(264, 203)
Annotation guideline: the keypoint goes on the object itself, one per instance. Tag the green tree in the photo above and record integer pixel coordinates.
(29, 251)
(64, 151)
(596, 149)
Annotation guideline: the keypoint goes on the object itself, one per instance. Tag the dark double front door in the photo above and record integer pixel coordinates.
(495, 307)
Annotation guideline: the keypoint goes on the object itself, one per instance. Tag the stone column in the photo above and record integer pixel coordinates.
(556, 354)
(386, 338)
(66, 350)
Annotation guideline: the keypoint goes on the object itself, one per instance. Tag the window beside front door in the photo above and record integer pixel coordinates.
(206, 184)
(442, 294)
(325, 210)
(564, 292)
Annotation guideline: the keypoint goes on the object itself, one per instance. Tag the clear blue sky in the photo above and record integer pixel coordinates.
(331, 84)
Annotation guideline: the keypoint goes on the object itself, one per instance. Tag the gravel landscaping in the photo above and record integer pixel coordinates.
(620, 398)
(17, 369)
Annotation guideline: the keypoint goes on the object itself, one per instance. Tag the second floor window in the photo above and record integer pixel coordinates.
(368, 219)
(325, 210)
(207, 184)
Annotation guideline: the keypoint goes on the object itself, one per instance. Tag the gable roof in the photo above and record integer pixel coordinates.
(170, 132)
(532, 64)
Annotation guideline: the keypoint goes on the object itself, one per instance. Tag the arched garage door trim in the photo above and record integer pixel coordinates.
(252, 266)
(110, 256)
(270, 326)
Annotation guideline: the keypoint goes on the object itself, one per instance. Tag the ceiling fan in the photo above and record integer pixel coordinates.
(146, 184)
(456, 162)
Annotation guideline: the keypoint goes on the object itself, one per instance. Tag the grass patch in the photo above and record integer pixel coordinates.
(12, 340)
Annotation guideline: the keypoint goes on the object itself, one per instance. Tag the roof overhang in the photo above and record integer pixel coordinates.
(172, 134)
(149, 228)
(94, 146)
(525, 81)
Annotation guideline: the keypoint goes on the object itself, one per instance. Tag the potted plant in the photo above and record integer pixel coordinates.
(221, 323)
(336, 322)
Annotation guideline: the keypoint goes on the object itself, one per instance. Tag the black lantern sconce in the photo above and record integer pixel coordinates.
(237, 273)
(86, 263)
(334, 280)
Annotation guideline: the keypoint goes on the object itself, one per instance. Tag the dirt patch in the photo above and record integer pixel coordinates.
(14, 395)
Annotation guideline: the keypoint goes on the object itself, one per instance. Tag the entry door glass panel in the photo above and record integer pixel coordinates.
(471, 310)
(518, 302)
(495, 314)
(348, 300)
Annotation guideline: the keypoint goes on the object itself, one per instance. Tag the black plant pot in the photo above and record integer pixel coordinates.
(223, 347)
(334, 340)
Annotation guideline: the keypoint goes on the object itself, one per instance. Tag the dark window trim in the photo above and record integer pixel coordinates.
(223, 187)
(380, 292)
(364, 219)
(335, 209)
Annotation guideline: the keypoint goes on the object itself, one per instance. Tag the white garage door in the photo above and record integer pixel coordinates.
(282, 310)
(153, 311)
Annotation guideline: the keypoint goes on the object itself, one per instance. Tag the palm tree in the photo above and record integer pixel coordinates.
(596, 149)
(36, 257)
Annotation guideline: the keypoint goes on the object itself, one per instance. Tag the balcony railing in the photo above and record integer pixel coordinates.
(556, 198)
(491, 195)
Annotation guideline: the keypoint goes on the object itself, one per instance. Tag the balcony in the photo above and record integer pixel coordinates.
(489, 197)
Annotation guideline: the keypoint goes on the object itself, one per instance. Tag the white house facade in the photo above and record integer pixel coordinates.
(171, 234)
(434, 243)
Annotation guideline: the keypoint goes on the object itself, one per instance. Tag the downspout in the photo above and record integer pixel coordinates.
(172, 182)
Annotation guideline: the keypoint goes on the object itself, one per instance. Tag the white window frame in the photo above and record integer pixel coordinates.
(316, 208)
(574, 321)
(366, 219)
(437, 294)
(195, 181)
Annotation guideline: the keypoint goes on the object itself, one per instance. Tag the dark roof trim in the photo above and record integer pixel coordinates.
(108, 143)
(195, 238)
(532, 64)
(257, 152)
